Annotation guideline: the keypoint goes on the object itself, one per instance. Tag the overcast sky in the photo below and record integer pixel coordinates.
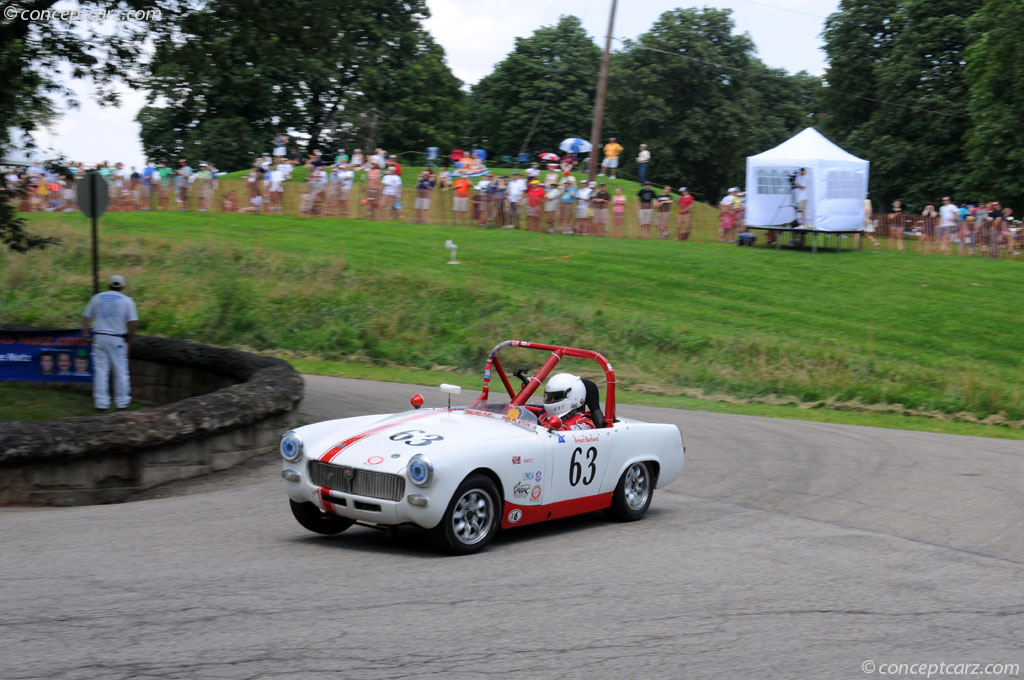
(475, 37)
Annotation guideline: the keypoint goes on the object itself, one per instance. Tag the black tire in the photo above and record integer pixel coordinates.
(310, 517)
(458, 535)
(633, 493)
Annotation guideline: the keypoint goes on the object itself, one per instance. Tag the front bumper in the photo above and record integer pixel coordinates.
(424, 510)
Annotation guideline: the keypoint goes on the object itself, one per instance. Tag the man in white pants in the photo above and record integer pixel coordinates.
(114, 320)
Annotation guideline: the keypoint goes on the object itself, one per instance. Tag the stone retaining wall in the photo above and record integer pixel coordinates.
(219, 408)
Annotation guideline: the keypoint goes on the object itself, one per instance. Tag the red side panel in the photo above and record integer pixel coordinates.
(531, 514)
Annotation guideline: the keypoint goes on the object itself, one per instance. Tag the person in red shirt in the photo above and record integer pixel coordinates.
(534, 199)
(460, 203)
(564, 397)
(683, 225)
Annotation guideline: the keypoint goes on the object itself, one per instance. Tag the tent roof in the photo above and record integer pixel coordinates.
(805, 146)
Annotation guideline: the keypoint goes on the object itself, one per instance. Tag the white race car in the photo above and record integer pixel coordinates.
(467, 472)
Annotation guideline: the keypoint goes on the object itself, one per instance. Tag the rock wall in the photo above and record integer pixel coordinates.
(219, 408)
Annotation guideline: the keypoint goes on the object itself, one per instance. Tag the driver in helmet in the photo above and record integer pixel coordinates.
(564, 397)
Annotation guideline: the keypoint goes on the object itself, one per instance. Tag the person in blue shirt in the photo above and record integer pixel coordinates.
(146, 190)
(566, 201)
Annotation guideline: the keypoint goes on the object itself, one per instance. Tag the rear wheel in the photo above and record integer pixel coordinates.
(633, 493)
(310, 517)
(472, 518)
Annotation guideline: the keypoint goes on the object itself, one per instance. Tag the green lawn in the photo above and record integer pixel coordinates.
(42, 401)
(854, 331)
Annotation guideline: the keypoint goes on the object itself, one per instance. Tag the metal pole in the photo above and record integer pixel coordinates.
(93, 178)
(602, 88)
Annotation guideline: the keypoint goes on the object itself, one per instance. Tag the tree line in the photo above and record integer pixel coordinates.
(928, 90)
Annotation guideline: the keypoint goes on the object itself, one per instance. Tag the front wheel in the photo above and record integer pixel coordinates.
(310, 517)
(472, 518)
(633, 493)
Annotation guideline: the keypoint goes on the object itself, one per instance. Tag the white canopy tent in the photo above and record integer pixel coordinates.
(836, 184)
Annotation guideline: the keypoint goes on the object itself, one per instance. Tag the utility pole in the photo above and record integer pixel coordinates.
(602, 88)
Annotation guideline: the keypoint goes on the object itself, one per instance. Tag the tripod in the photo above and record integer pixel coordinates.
(791, 205)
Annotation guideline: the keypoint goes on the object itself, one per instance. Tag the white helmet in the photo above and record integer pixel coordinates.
(564, 394)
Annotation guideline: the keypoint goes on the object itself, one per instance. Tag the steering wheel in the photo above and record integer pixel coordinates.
(523, 378)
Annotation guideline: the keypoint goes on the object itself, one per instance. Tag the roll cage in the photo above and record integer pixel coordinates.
(557, 352)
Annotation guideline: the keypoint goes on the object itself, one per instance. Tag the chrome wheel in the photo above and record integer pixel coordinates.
(473, 517)
(637, 487)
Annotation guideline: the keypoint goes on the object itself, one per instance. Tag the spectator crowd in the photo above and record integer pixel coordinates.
(461, 190)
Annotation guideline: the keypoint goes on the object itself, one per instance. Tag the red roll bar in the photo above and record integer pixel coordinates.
(557, 352)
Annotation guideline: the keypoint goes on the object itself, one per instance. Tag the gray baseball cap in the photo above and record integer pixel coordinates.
(116, 281)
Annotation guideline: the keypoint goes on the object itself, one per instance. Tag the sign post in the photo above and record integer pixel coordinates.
(93, 198)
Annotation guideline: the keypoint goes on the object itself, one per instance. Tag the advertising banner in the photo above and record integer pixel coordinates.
(45, 356)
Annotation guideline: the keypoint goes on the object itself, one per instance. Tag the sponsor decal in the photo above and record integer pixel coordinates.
(586, 439)
(516, 460)
(561, 439)
(514, 516)
(415, 438)
(374, 460)
(513, 414)
(527, 460)
(535, 493)
(537, 475)
(520, 490)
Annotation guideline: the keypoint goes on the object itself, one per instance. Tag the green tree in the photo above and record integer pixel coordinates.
(544, 89)
(693, 91)
(35, 46)
(995, 71)
(236, 72)
(412, 96)
(911, 124)
(858, 39)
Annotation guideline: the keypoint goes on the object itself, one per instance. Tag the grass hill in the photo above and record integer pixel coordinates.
(856, 330)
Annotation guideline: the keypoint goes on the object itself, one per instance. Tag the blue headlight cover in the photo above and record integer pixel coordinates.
(291, 446)
(420, 470)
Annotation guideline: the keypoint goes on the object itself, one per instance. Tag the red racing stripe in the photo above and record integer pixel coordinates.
(341, 446)
(532, 514)
(325, 497)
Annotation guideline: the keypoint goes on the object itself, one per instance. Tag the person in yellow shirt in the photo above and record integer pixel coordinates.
(611, 158)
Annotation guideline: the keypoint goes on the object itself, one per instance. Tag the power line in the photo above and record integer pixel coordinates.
(785, 9)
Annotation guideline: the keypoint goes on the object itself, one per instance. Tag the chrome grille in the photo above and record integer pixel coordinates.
(366, 483)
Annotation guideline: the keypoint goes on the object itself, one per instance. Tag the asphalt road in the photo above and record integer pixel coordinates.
(785, 550)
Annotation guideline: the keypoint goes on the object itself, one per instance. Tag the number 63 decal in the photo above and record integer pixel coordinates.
(576, 466)
(415, 438)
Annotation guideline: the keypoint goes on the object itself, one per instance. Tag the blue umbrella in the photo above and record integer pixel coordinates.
(575, 145)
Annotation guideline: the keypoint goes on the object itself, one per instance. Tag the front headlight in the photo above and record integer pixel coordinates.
(420, 470)
(291, 446)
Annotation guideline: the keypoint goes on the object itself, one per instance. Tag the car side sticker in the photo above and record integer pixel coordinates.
(415, 438)
(577, 463)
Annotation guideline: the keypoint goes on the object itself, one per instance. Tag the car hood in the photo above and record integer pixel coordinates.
(386, 443)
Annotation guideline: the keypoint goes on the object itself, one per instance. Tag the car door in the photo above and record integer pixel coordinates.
(579, 462)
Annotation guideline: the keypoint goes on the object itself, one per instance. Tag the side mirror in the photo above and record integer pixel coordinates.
(450, 389)
(416, 401)
(553, 423)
